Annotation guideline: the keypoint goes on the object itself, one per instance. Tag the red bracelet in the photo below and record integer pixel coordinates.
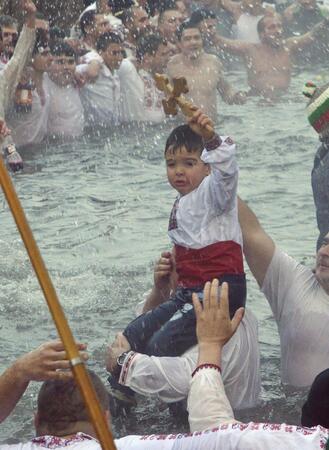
(206, 366)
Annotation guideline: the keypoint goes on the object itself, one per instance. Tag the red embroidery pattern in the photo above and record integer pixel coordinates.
(55, 441)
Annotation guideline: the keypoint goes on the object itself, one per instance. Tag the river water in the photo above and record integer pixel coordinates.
(99, 210)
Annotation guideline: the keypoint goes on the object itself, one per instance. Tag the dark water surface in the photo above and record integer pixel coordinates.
(99, 210)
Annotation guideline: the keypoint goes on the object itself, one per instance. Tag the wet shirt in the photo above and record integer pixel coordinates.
(66, 118)
(301, 310)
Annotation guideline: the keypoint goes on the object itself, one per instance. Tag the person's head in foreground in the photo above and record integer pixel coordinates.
(62, 410)
(185, 168)
(316, 409)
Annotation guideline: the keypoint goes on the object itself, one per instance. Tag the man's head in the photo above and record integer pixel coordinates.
(322, 264)
(61, 408)
(185, 169)
(316, 408)
(153, 53)
(137, 22)
(270, 30)
(170, 18)
(41, 57)
(190, 40)
(63, 64)
(109, 46)
(42, 25)
(92, 25)
(8, 35)
(206, 21)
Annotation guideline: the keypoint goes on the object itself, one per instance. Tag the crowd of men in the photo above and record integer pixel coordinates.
(99, 74)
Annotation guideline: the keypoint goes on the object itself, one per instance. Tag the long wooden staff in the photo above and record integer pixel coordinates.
(80, 374)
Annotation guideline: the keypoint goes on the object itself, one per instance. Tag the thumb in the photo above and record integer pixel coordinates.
(235, 322)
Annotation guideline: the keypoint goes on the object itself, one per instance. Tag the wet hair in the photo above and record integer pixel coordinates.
(184, 136)
(7, 21)
(59, 48)
(165, 6)
(126, 16)
(56, 33)
(262, 22)
(149, 45)
(315, 411)
(201, 14)
(60, 404)
(87, 20)
(187, 24)
(41, 42)
(88, 3)
(106, 39)
(40, 16)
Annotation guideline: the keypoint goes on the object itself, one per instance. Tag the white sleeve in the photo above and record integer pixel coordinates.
(223, 179)
(207, 403)
(166, 377)
(13, 70)
(132, 91)
(278, 281)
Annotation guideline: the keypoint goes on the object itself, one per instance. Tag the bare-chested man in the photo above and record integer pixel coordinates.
(269, 63)
(202, 71)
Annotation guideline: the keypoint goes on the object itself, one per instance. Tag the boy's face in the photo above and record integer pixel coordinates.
(113, 56)
(62, 70)
(185, 170)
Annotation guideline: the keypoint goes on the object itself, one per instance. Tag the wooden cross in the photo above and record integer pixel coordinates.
(175, 98)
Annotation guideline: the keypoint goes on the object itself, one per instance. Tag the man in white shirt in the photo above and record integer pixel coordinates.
(141, 100)
(66, 118)
(100, 95)
(299, 299)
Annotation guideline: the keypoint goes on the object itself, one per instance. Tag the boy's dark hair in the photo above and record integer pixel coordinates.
(87, 20)
(106, 39)
(59, 48)
(149, 45)
(184, 136)
(201, 14)
(185, 26)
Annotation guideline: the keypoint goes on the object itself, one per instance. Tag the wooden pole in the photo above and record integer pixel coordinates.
(80, 373)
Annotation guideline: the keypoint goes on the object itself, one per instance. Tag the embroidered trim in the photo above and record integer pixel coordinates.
(126, 366)
(206, 366)
(56, 441)
(213, 143)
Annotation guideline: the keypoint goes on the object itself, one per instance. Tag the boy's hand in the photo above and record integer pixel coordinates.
(202, 125)
(163, 270)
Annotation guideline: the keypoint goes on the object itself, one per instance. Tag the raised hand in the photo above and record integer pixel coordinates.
(214, 326)
(49, 361)
(4, 130)
(201, 124)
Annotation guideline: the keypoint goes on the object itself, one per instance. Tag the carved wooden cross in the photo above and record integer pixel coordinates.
(175, 98)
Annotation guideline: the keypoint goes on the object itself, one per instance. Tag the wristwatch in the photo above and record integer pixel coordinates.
(121, 359)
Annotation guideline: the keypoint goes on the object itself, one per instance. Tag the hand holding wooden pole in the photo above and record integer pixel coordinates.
(175, 96)
(80, 374)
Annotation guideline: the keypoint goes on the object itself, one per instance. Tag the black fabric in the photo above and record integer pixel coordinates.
(316, 408)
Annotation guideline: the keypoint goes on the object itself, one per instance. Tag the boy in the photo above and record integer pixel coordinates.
(205, 232)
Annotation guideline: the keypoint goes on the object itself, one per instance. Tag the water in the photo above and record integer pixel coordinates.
(99, 210)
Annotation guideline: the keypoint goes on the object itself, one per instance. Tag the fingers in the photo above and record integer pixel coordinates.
(214, 294)
(197, 305)
(235, 322)
(206, 295)
(224, 302)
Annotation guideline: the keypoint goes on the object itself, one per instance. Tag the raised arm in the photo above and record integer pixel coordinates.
(235, 47)
(318, 32)
(46, 362)
(231, 7)
(258, 247)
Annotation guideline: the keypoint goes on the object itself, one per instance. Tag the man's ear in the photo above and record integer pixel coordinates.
(208, 168)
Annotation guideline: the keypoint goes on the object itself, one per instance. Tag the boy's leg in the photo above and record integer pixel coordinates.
(176, 336)
(141, 330)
